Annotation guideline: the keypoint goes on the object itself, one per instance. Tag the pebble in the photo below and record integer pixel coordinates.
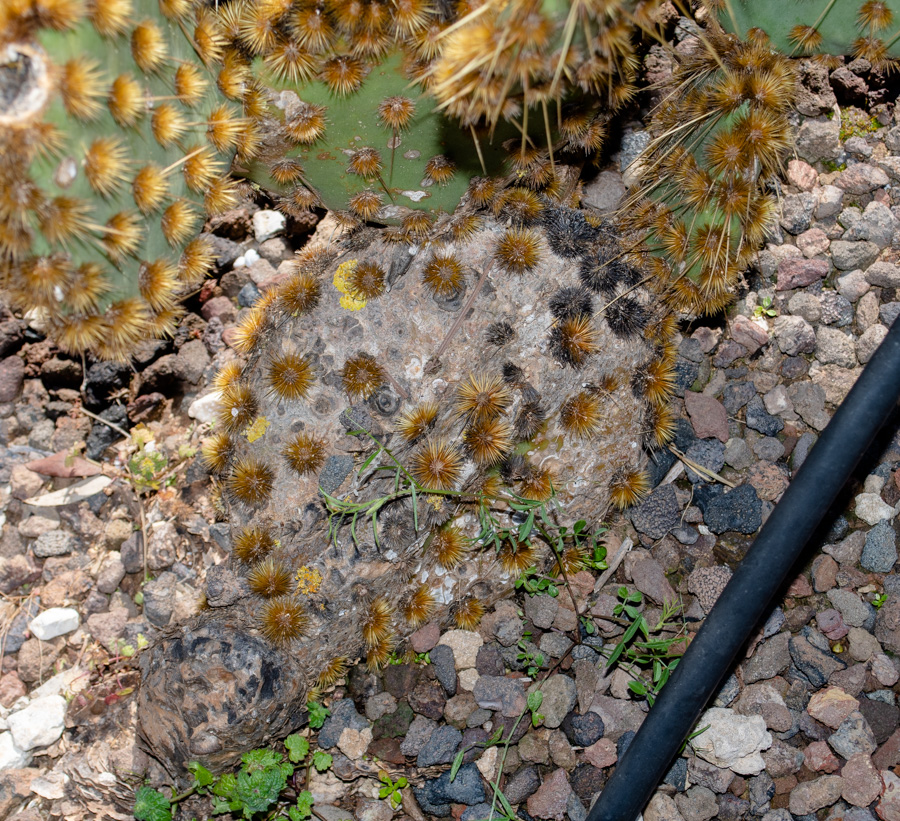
(444, 665)
(831, 706)
(810, 796)
(55, 543)
(834, 347)
(559, 699)
(658, 513)
(854, 284)
(440, 748)
(854, 611)
(740, 509)
(708, 416)
(759, 419)
(420, 730)
(11, 757)
(523, 783)
(798, 272)
(583, 730)
(40, 724)
(707, 453)
(551, 798)
(853, 736)
(499, 693)
(266, 224)
(57, 621)
(465, 646)
(732, 741)
(872, 509)
(847, 256)
(343, 716)
(159, 598)
(437, 794)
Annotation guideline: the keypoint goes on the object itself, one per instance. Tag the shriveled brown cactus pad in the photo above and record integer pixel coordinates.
(553, 376)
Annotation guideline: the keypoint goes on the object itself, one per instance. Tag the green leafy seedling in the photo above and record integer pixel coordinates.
(391, 789)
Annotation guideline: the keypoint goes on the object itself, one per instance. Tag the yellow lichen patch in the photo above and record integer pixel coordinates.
(257, 430)
(309, 580)
(342, 283)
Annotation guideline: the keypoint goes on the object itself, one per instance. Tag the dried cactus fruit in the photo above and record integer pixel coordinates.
(474, 425)
(107, 169)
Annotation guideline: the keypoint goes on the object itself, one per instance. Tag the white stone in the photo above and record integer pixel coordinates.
(467, 679)
(266, 224)
(11, 757)
(732, 741)
(487, 764)
(874, 483)
(73, 680)
(40, 724)
(205, 409)
(465, 646)
(872, 509)
(57, 621)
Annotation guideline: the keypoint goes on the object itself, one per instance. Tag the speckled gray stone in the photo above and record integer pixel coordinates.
(880, 552)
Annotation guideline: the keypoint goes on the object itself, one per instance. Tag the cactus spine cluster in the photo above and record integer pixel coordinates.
(116, 144)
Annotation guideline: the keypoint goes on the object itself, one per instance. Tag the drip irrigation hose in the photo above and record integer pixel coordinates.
(747, 596)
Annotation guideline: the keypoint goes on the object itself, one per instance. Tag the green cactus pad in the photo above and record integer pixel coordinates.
(133, 113)
(353, 123)
(850, 27)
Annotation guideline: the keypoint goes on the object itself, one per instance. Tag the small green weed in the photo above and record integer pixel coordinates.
(764, 308)
(652, 654)
(391, 789)
(259, 786)
(878, 600)
(531, 659)
(534, 701)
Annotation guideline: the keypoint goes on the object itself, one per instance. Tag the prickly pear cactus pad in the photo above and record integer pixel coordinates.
(395, 413)
(378, 151)
(860, 28)
(115, 144)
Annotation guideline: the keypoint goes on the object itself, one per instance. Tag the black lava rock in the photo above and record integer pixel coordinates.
(582, 731)
(739, 509)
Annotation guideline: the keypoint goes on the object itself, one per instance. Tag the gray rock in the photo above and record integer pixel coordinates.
(697, 804)
(554, 645)
(111, 573)
(883, 274)
(880, 553)
(500, 693)
(797, 212)
(738, 454)
(740, 509)
(815, 664)
(541, 610)
(440, 748)
(770, 659)
(769, 449)
(559, 699)
(836, 309)
(523, 783)
(868, 343)
(809, 402)
(854, 611)
(849, 255)
(132, 553)
(853, 284)
(437, 794)
(853, 736)
(829, 202)
(819, 139)
(444, 666)
(834, 347)
(759, 419)
(806, 305)
(55, 543)
(861, 179)
(658, 513)
(794, 335)
(159, 598)
(736, 395)
(889, 312)
(708, 453)
(877, 225)
(418, 734)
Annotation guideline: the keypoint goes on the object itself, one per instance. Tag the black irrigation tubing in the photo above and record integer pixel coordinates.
(748, 595)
